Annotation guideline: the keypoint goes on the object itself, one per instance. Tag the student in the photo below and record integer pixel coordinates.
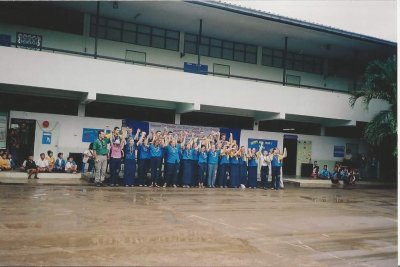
(30, 167)
(42, 163)
(50, 158)
(70, 166)
(324, 173)
(144, 159)
(88, 159)
(4, 163)
(243, 166)
(336, 174)
(213, 155)
(315, 170)
(130, 162)
(172, 161)
(224, 166)
(276, 163)
(252, 158)
(202, 165)
(156, 152)
(116, 153)
(13, 163)
(265, 162)
(59, 165)
(187, 157)
(234, 164)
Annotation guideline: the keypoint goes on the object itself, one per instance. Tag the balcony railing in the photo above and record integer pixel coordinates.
(123, 60)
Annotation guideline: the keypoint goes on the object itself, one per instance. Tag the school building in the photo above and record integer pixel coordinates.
(69, 68)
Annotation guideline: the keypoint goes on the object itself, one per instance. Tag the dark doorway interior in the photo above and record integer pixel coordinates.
(25, 132)
(289, 163)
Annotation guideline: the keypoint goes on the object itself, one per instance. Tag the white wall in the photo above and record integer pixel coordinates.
(70, 130)
(48, 70)
(322, 146)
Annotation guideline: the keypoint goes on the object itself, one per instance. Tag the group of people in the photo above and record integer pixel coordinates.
(46, 163)
(190, 160)
(341, 173)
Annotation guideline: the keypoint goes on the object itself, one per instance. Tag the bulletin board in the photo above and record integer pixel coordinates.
(304, 154)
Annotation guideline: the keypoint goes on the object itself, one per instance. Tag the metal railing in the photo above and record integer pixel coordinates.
(124, 60)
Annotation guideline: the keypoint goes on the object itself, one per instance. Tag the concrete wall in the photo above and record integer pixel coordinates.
(67, 133)
(85, 44)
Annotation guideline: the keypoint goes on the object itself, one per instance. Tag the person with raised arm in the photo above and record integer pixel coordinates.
(100, 151)
(156, 152)
(116, 153)
(130, 162)
(252, 158)
(234, 164)
(144, 159)
(243, 166)
(213, 155)
(187, 156)
(172, 160)
(276, 164)
(265, 162)
(224, 165)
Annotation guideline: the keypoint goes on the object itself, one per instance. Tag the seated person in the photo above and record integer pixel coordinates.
(5, 163)
(51, 160)
(59, 164)
(13, 164)
(30, 167)
(351, 178)
(71, 166)
(335, 177)
(42, 163)
(324, 173)
(315, 171)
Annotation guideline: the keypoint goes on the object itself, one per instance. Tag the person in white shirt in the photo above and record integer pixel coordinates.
(265, 162)
(71, 166)
(42, 163)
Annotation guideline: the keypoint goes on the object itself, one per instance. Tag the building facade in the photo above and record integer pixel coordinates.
(184, 62)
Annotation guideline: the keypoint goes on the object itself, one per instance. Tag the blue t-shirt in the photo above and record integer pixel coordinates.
(155, 151)
(325, 173)
(202, 157)
(224, 159)
(130, 152)
(253, 161)
(173, 154)
(188, 154)
(144, 152)
(213, 156)
(275, 161)
(242, 160)
(234, 160)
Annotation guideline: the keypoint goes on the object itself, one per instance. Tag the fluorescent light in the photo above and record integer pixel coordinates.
(288, 129)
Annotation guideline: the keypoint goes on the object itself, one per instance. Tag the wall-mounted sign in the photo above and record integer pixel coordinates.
(90, 135)
(338, 151)
(29, 41)
(46, 138)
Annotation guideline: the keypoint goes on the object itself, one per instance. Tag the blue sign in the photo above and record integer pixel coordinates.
(267, 144)
(90, 135)
(338, 151)
(195, 68)
(46, 138)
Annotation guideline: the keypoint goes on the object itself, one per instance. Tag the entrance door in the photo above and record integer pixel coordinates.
(289, 163)
(25, 130)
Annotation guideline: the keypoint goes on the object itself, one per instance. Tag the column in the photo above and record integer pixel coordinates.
(177, 118)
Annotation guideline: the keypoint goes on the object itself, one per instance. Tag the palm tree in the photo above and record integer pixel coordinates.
(380, 82)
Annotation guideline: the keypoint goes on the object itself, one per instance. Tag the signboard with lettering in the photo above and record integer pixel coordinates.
(29, 41)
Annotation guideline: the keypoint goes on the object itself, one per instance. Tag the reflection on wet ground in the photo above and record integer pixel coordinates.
(82, 225)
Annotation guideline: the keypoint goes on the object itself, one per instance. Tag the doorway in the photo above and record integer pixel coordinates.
(289, 163)
(25, 138)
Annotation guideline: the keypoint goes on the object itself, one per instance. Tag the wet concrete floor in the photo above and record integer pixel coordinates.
(87, 226)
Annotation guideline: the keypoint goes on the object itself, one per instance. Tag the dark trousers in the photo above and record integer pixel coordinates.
(276, 176)
(195, 172)
(252, 181)
(129, 171)
(115, 165)
(243, 174)
(202, 172)
(172, 173)
(264, 176)
(155, 163)
(143, 169)
(223, 169)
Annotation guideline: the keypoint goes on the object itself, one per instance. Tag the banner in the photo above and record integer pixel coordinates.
(89, 135)
(267, 144)
(175, 128)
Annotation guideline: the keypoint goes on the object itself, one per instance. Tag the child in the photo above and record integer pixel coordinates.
(51, 160)
(5, 163)
(71, 166)
(13, 164)
(324, 173)
(59, 165)
(30, 167)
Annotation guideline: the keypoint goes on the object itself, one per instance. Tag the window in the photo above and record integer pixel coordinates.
(294, 61)
(217, 48)
(127, 32)
(221, 69)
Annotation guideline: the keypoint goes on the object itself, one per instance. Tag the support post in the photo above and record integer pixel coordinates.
(284, 61)
(96, 32)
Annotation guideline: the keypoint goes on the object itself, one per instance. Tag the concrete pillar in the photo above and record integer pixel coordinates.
(177, 118)
(181, 42)
(322, 131)
(255, 125)
(259, 55)
(81, 110)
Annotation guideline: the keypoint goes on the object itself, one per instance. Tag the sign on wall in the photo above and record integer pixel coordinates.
(46, 138)
(338, 151)
(29, 41)
(89, 135)
(267, 144)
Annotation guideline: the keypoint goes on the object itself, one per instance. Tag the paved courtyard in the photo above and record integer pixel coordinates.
(83, 225)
